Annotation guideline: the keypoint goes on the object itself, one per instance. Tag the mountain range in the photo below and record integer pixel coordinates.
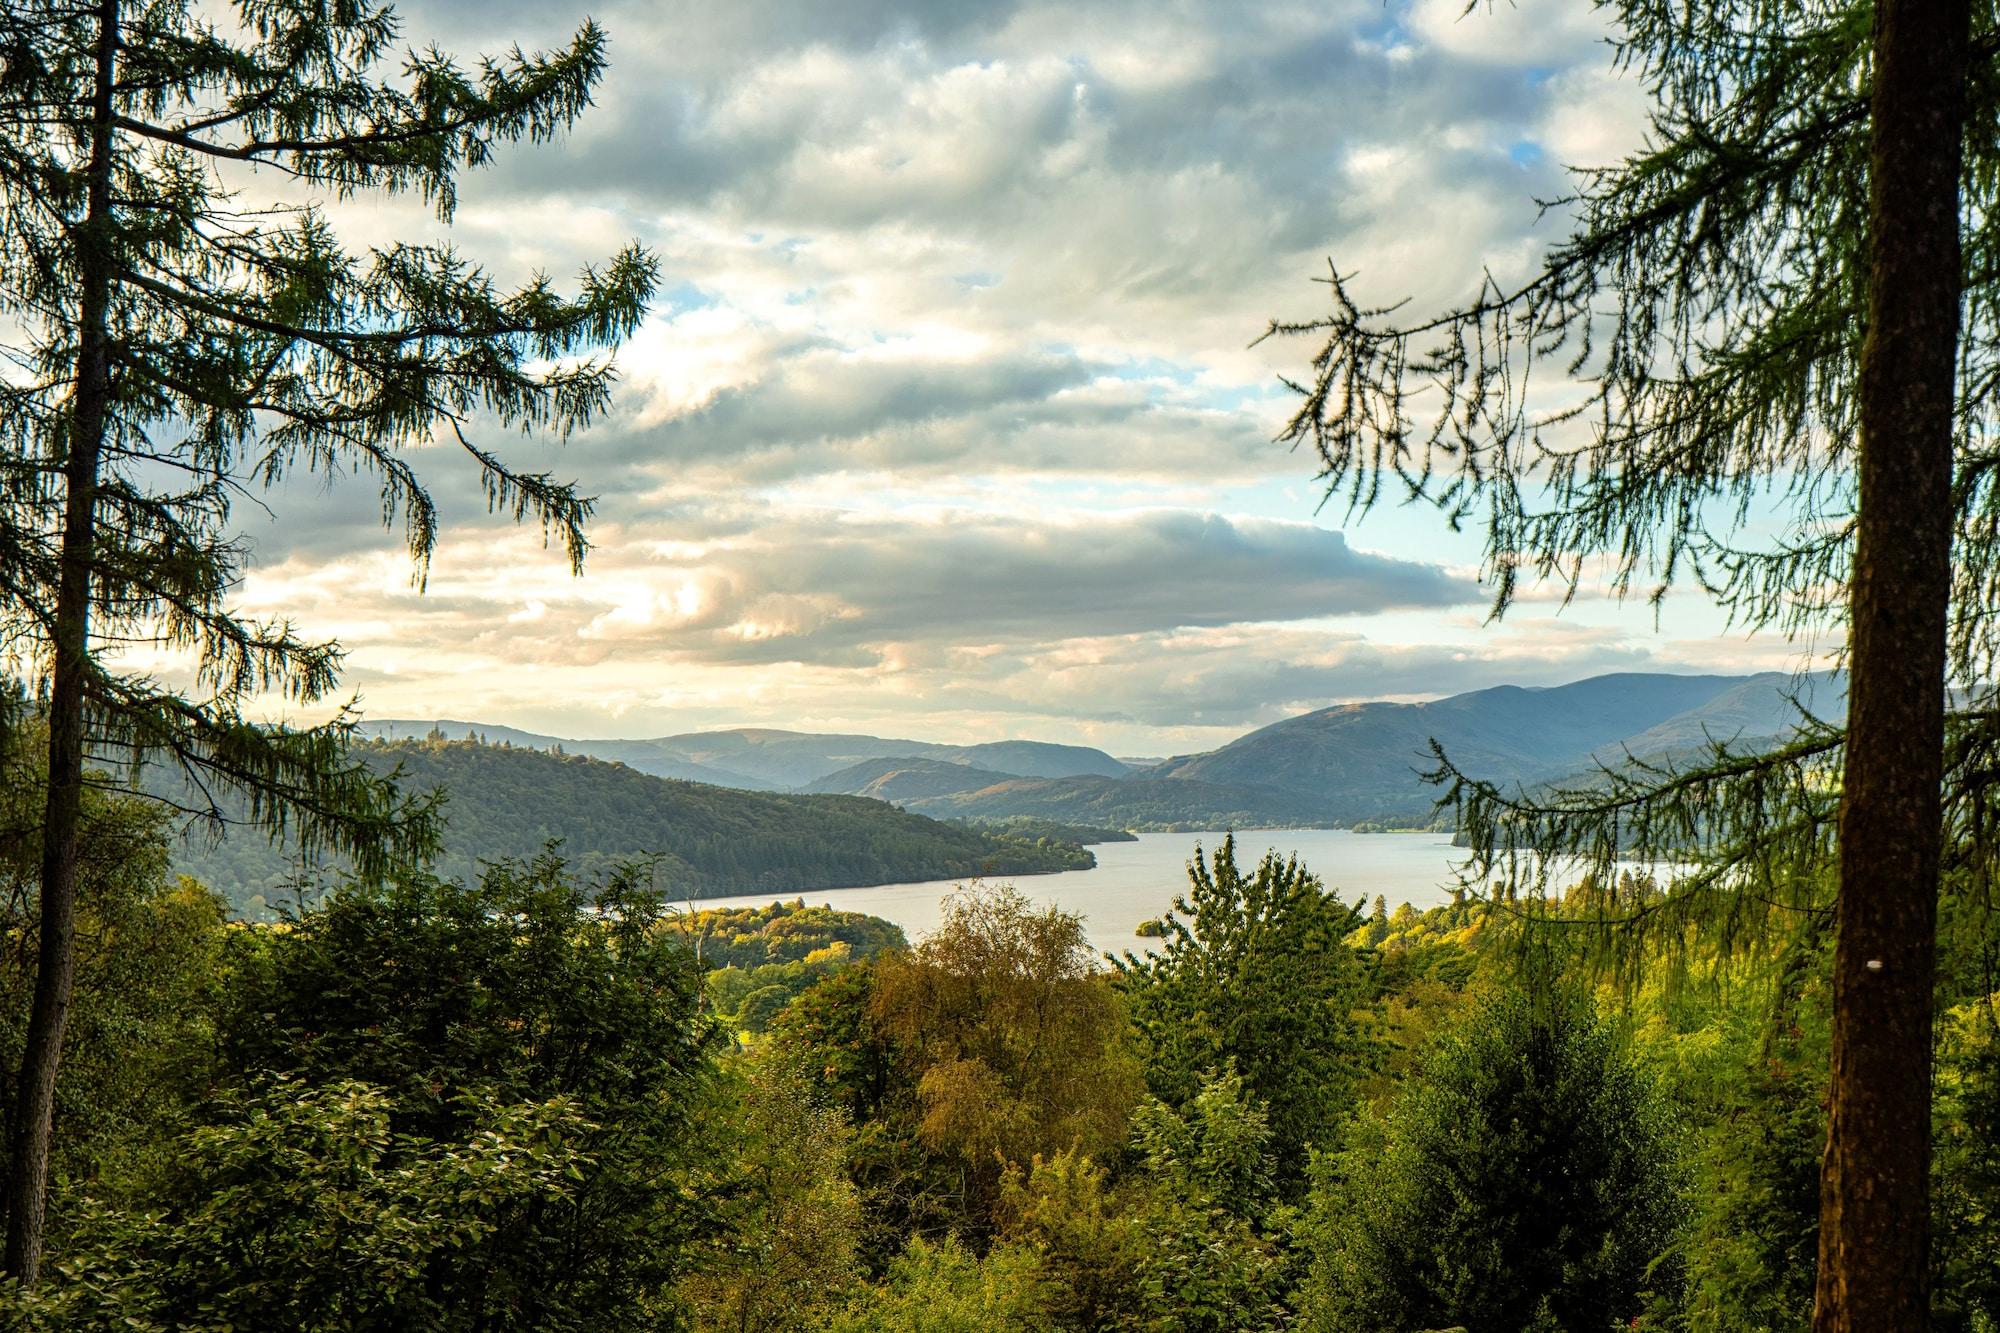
(765, 759)
(507, 801)
(1341, 765)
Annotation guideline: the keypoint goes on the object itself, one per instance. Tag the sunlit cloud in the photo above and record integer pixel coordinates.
(951, 419)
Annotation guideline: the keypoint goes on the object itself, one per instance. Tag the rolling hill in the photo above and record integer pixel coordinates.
(768, 759)
(1364, 761)
(710, 841)
(907, 780)
(1129, 803)
(1338, 765)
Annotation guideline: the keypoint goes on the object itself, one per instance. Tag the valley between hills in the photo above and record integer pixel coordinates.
(753, 810)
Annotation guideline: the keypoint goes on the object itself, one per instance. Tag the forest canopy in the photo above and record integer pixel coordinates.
(697, 841)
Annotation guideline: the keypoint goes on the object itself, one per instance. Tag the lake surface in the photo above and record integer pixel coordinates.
(1135, 881)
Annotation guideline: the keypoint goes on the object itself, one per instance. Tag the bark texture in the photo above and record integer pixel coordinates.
(35, 1089)
(1874, 1178)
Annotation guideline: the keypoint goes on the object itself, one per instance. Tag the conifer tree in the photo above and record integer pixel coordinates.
(1760, 308)
(177, 347)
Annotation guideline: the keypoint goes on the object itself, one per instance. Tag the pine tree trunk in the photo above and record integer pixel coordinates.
(35, 1090)
(1874, 1178)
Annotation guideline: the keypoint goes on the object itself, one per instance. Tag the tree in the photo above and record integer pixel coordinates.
(1254, 971)
(1014, 1040)
(301, 1208)
(1525, 1179)
(1208, 1184)
(175, 347)
(148, 947)
(945, 1288)
(1759, 307)
(1185, 1242)
(520, 990)
(786, 1252)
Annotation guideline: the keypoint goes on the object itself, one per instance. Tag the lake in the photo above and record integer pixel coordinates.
(1135, 881)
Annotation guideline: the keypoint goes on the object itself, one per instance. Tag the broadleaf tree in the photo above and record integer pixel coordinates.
(1254, 974)
(185, 331)
(1782, 307)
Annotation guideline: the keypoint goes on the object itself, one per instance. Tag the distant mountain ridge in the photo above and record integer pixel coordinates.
(769, 759)
(1365, 761)
(1339, 765)
(703, 840)
(904, 780)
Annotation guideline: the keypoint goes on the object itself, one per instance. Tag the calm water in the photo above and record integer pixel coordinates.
(1137, 880)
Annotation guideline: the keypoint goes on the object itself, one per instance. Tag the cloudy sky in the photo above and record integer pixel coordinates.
(946, 423)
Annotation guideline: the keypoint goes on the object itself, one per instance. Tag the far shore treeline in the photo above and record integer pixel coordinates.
(696, 841)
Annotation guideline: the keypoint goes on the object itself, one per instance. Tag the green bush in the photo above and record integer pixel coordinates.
(1523, 1179)
(516, 990)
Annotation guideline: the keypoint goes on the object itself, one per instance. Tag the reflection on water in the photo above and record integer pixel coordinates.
(1137, 880)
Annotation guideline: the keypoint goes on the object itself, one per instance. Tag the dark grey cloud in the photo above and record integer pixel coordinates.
(823, 410)
(843, 592)
(826, 396)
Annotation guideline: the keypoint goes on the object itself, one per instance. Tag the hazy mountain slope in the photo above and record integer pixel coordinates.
(1759, 709)
(1348, 751)
(784, 759)
(646, 756)
(710, 840)
(1136, 802)
(1336, 765)
(1364, 761)
(769, 759)
(796, 759)
(1037, 759)
(904, 780)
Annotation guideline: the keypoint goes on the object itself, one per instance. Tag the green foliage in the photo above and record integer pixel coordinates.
(944, 1288)
(1050, 830)
(764, 957)
(517, 990)
(1188, 1241)
(300, 1207)
(702, 841)
(833, 1036)
(781, 932)
(1213, 1263)
(1015, 1040)
(760, 1006)
(140, 1033)
(992, 1041)
(1523, 1179)
(1254, 971)
(1091, 1245)
(1965, 1201)
(784, 1251)
(184, 332)
(832, 1032)
(1751, 1079)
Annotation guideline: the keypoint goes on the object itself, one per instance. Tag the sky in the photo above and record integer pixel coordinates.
(947, 422)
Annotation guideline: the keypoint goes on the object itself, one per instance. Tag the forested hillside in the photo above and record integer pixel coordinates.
(906, 780)
(1132, 803)
(1027, 826)
(1296, 1114)
(707, 841)
(770, 759)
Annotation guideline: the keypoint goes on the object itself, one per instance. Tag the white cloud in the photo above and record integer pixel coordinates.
(957, 294)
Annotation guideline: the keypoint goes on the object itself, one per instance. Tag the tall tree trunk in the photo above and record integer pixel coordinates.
(35, 1090)
(1874, 1179)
